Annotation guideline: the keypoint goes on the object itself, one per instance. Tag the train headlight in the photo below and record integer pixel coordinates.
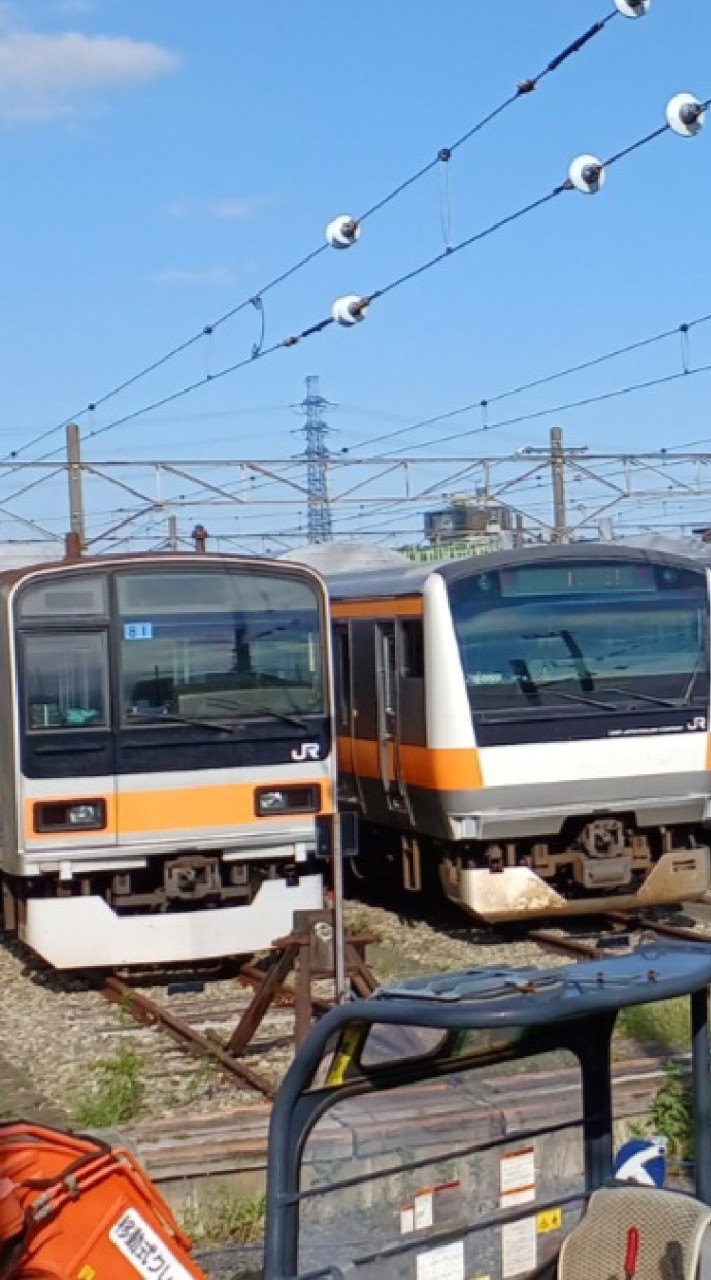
(68, 815)
(270, 801)
(86, 815)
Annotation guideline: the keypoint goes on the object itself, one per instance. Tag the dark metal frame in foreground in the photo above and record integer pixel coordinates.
(573, 1007)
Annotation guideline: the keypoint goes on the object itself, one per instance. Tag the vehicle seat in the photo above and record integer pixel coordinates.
(673, 1236)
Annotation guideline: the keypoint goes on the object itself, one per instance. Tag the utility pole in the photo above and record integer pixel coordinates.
(76, 538)
(558, 458)
(560, 519)
(319, 527)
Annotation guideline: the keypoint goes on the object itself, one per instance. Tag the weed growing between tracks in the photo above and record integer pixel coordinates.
(671, 1116)
(664, 1025)
(114, 1094)
(226, 1219)
(673, 1113)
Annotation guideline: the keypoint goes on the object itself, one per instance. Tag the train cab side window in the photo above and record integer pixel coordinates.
(342, 642)
(65, 681)
(413, 649)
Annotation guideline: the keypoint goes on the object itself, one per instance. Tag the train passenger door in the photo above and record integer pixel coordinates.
(349, 782)
(386, 679)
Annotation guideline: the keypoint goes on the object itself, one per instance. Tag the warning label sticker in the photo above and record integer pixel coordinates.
(145, 1250)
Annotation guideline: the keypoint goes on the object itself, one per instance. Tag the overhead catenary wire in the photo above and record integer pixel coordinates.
(488, 427)
(321, 325)
(598, 398)
(524, 88)
(683, 330)
(485, 402)
(449, 252)
(360, 526)
(549, 411)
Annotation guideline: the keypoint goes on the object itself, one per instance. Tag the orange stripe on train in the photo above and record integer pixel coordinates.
(437, 769)
(391, 607)
(173, 809)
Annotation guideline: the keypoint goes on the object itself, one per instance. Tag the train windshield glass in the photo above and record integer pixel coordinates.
(219, 646)
(607, 635)
(66, 681)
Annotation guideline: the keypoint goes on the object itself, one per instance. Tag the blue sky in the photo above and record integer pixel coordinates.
(163, 160)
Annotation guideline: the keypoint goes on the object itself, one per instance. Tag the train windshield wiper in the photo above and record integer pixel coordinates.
(578, 697)
(532, 689)
(287, 717)
(644, 697)
(695, 672)
(577, 657)
(161, 717)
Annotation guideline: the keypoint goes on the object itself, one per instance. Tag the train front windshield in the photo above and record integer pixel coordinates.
(217, 646)
(583, 638)
(176, 646)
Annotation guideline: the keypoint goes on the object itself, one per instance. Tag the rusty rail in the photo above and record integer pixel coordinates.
(682, 934)
(303, 956)
(573, 947)
(306, 955)
(607, 944)
(632, 925)
(150, 1014)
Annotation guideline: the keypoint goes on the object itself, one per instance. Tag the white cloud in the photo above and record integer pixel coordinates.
(216, 277)
(42, 76)
(227, 208)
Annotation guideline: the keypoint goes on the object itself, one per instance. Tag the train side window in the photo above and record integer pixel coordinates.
(65, 681)
(413, 649)
(342, 642)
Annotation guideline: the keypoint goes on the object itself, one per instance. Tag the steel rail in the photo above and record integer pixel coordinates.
(150, 1014)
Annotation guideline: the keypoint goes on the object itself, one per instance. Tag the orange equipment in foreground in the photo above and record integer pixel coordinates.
(74, 1208)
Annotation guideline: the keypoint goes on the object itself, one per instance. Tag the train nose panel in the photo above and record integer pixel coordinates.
(495, 897)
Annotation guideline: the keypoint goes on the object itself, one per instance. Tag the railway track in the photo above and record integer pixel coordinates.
(623, 932)
(149, 1013)
(62, 1030)
(205, 1113)
(617, 934)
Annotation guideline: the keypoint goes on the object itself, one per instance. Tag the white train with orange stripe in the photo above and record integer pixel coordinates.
(533, 724)
(166, 752)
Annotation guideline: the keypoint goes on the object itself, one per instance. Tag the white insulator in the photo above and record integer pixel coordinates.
(350, 309)
(587, 174)
(342, 232)
(685, 115)
(632, 8)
